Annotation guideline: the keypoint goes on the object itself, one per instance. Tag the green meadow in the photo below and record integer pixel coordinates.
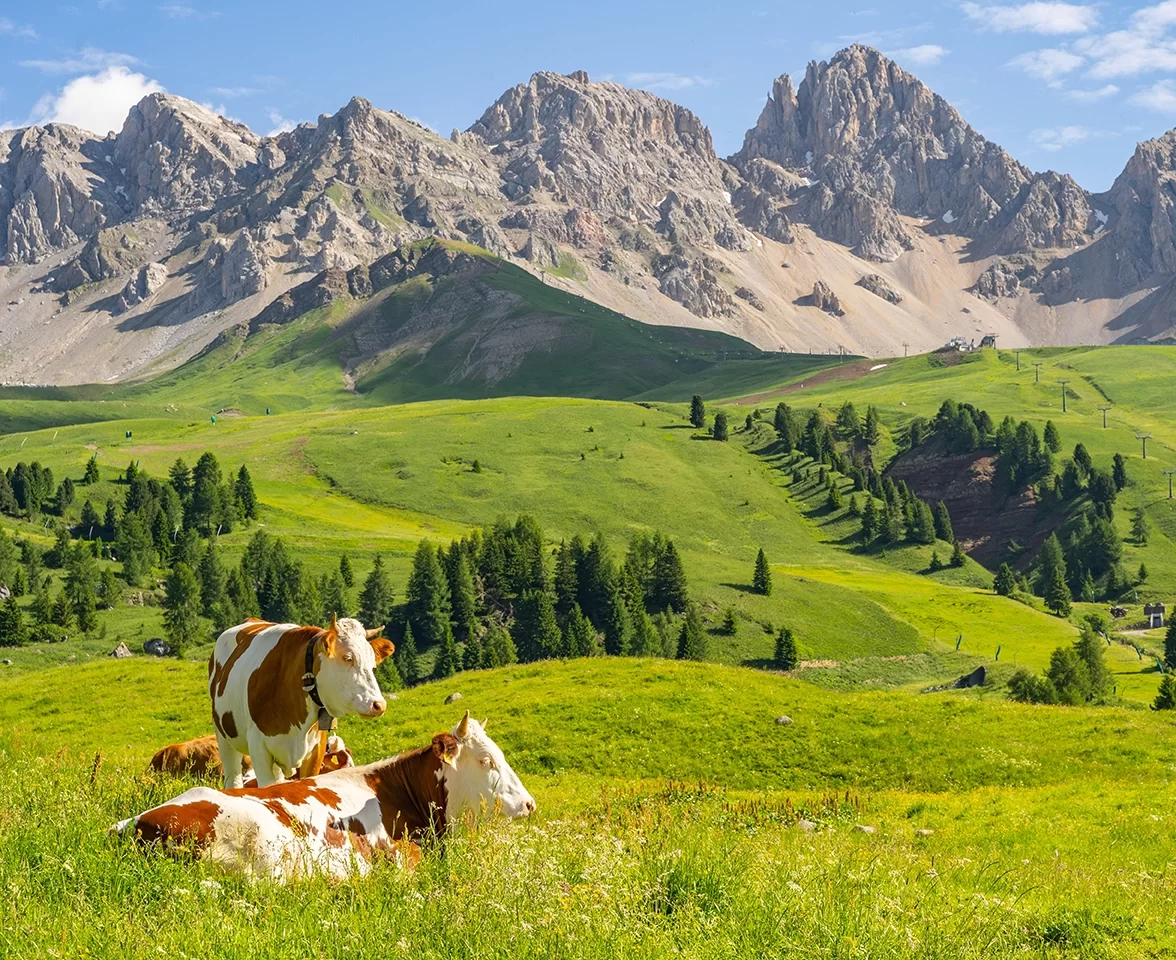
(669, 796)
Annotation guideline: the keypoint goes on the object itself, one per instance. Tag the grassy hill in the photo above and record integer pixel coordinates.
(1043, 830)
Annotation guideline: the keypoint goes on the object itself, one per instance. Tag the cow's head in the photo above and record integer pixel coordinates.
(346, 675)
(477, 776)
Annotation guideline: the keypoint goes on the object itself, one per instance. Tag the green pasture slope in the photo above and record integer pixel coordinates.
(668, 803)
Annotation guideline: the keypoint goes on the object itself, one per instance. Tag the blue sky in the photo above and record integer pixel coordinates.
(1066, 86)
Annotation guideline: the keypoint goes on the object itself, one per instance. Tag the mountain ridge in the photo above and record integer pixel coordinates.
(134, 250)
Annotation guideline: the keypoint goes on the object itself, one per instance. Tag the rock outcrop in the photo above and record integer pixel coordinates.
(143, 285)
(880, 287)
(823, 298)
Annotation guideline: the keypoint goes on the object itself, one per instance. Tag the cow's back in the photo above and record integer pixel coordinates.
(238, 653)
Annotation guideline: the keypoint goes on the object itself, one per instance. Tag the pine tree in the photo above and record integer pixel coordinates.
(692, 640)
(1051, 438)
(243, 488)
(110, 521)
(461, 591)
(1170, 645)
(388, 675)
(90, 525)
(407, 659)
(871, 431)
(1086, 588)
(923, 529)
(869, 520)
(181, 608)
(472, 655)
(333, 595)
(1082, 461)
(1140, 527)
(212, 582)
(13, 632)
(346, 572)
(786, 657)
(498, 646)
(1166, 697)
(427, 597)
(730, 624)
(833, 501)
(1069, 676)
(646, 642)
(376, 598)
(957, 555)
(203, 510)
(669, 589)
(1057, 594)
(92, 474)
(1142, 575)
(580, 637)
(180, 477)
(721, 428)
(1089, 647)
(943, 527)
(1119, 471)
(936, 564)
(855, 509)
(536, 630)
(1051, 562)
(697, 411)
(448, 658)
(761, 579)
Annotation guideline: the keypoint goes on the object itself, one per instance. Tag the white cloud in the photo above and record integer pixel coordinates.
(1055, 138)
(97, 102)
(1041, 17)
(11, 29)
(1048, 65)
(1160, 96)
(181, 11)
(924, 55)
(1155, 19)
(86, 60)
(1092, 96)
(281, 124)
(665, 81)
(232, 93)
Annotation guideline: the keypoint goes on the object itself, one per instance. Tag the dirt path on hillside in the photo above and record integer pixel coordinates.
(846, 371)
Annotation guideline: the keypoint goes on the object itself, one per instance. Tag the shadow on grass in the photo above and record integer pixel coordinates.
(741, 587)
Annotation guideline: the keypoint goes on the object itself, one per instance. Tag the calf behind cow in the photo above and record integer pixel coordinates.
(271, 686)
(337, 823)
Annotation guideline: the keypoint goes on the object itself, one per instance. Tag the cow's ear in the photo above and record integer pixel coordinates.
(383, 648)
(447, 748)
(329, 637)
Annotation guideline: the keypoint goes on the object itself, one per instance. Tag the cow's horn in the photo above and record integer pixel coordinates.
(485, 720)
(334, 621)
(374, 632)
(463, 728)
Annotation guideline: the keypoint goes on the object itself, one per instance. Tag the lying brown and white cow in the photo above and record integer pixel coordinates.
(271, 683)
(337, 823)
(201, 758)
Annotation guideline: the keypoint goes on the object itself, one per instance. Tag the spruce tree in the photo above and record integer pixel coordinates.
(461, 592)
(580, 636)
(180, 478)
(1142, 575)
(1050, 561)
(833, 501)
(1119, 471)
(333, 595)
(346, 572)
(669, 588)
(1005, 583)
(13, 632)
(567, 579)
(1057, 594)
(1086, 587)
(427, 597)
(721, 428)
(761, 579)
(730, 624)
(957, 555)
(498, 646)
(90, 525)
(786, 657)
(869, 519)
(692, 640)
(110, 521)
(855, 509)
(448, 658)
(181, 608)
(246, 498)
(923, 529)
(1089, 647)
(388, 675)
(1051, 438)
(1140, 527)
(943, 528)
(536, 631)
(1069, 676)
(376, 598)
(697, 411)
(92, 474)
(408, 662)
(936, 564)
(646, 642)
(109, 590)
(212, 582)
(871, 432)
(1170, 645)
(1166, 697)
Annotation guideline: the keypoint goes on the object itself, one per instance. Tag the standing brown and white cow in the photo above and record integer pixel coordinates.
(339, 823)
(275, 687)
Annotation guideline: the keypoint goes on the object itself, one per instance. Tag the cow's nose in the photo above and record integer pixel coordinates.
(378, 708)
(529, 806)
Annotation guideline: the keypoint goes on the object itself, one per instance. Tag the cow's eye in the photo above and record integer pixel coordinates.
(348, 658)
(488, 763)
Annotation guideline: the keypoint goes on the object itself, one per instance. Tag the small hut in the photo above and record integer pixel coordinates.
(1155, 615)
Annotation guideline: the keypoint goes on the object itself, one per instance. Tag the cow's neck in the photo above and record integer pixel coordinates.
(412, 795)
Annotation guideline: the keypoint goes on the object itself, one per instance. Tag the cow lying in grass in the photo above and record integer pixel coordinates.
(339, 823)
(273, 686)
(201, 758)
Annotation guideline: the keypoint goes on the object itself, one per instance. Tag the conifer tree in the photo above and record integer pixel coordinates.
(871, 432)
(1140, 527)
(761, 579)
(646, 642)
(730, 624)
(212, 582)
(786, 657)
(1142, 575)
(13, 632)
(1089, 647)
(1170, 645)
(427, 597)
(376, 598)
(669, 588)
(110, 521)
(855, 509)
(1005, 582)
(1119, 471)
(721, 428)
(923, 529)
(180, 478)
(1053, 442)
(936, 564)
(692, 640)
(1166, 697)
(957, 555)
(1057, 594)
(943, 528)
(246, 498)
(408, 662)
(461, 592)
(448, 657)
(388, 675)
(697, 411)
(92, 474)
(536, 631)
(498, 646)
(90, 525)
(346, 572)
(567, 579)
(1086, 587)
(334, 597)
(181, 608)
(580, 637)
(109, 590)
(1051, 560)
(833, 501)
(869, 519)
